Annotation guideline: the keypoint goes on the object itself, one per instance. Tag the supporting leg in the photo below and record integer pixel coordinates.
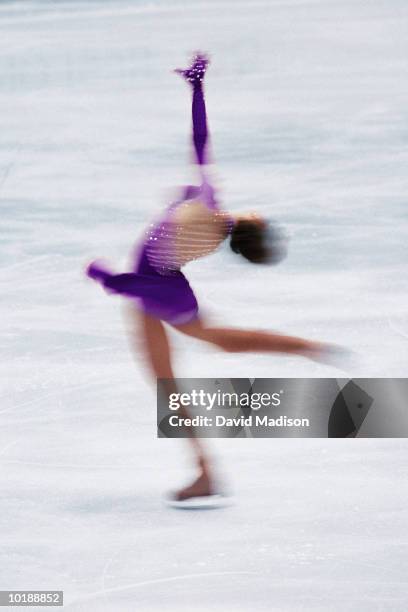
(157, 349)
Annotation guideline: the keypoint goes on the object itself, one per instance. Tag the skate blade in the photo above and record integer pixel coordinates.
(207, 502)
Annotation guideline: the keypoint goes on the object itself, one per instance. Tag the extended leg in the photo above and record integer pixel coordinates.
(244, 340)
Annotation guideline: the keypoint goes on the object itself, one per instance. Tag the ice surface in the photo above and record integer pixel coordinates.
(308, 110)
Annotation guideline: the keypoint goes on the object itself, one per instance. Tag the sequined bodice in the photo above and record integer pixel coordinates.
(189, 230)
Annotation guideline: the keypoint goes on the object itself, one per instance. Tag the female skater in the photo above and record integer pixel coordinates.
(191, 228)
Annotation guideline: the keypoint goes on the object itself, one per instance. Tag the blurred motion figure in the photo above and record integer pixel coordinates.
(192, 227)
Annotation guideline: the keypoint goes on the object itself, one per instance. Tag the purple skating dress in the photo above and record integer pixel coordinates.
(156, 281)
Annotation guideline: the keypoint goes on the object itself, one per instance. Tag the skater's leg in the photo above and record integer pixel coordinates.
(157, 349)
(243, 340)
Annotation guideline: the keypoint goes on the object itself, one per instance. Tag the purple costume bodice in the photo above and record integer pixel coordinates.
(158, 246)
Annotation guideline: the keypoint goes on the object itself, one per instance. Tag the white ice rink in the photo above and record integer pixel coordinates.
(307, 102)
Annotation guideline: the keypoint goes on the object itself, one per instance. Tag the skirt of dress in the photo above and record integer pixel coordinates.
(166, 297)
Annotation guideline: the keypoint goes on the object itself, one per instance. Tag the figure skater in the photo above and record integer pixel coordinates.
(195, 226)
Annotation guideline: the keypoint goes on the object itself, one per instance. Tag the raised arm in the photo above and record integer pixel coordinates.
(195, 77)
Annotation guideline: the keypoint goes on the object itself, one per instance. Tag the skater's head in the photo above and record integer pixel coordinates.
(257, 240)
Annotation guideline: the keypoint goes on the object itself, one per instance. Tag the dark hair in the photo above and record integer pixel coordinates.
(258, 243)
